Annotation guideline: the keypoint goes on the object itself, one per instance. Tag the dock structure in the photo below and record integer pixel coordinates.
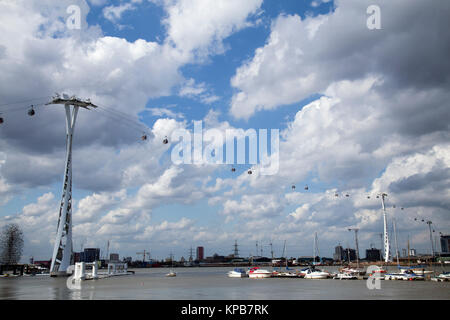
(17, 269)
(114, 269)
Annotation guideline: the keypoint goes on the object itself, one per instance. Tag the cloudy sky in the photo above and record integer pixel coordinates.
(360, 111)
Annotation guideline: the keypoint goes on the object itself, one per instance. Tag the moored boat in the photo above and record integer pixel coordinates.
(171, 274)
(257, 273)
(355, 271)
(445, 276)
(237, 273)
(346, 276)
(407, 275)
(313, 273)
(420, 271)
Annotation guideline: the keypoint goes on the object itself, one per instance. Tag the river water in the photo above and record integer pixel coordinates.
(213, 284)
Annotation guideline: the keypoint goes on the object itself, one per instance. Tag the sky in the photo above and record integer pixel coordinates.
(360, 111)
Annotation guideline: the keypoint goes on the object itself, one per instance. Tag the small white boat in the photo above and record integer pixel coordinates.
(237, 273)
(416, 270)
(354, 271)
(313, 273)
(444, 276)
(171, 274)
(257, 273)
(380, 272)
(346, 276)
(279, 274)
(408, 275)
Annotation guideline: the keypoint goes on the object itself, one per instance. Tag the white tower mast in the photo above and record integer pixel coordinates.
(386, 236)
(62, 251)
(356, 243)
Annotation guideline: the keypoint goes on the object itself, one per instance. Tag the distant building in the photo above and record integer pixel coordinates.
(338, 253)
(77, 257)
(303, 260)
(349, 252)
(215, 258)
(445, 244)
(373, 254)
(200, 253)
(128, 259)
(404, 254)
(114, 257)
(91, 255)
(43, 263)
(412, 252)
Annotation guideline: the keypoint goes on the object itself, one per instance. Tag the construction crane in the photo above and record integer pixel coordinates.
(356, 243)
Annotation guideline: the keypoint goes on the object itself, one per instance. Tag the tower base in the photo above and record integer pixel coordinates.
(59, 274)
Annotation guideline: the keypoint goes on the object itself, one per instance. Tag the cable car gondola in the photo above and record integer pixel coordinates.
(293, 187)
(31, 112)
(306, 187)
(165, 140)
(249, 171)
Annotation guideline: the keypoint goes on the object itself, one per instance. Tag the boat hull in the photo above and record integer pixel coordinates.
(236, 275)
(316, 276)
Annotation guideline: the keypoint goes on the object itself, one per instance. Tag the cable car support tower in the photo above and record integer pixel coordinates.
(385, 233)
(62, 256)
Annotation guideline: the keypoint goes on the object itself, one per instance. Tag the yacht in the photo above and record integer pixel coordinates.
(313, 273)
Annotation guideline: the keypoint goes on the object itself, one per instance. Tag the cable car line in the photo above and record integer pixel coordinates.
(24, 101)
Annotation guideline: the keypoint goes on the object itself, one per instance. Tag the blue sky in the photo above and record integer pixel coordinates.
(340, 93)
